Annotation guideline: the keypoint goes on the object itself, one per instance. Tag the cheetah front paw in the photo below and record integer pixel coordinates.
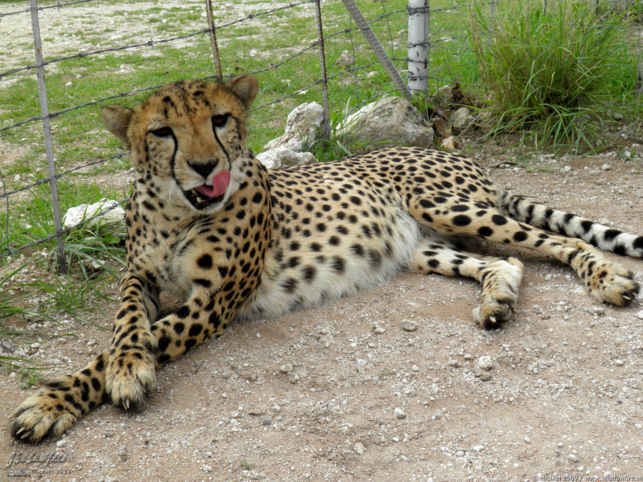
(50, 411)
(500, 285)
(131, 374)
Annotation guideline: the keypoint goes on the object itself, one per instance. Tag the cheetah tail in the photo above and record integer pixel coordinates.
(569, 224)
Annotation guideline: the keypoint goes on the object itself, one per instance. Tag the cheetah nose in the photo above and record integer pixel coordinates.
(203, 168)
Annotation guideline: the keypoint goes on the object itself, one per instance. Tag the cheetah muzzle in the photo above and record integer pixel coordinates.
(206, 195)
(208, 222)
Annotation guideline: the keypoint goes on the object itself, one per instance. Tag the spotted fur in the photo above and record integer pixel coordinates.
(206, 221)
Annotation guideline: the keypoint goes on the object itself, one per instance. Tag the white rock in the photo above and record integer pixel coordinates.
(115, 216)
(303, 124)
(484, 363)
(345, 59)
(399, 413)
(390, 119)
(359, 448)
(282, 156)
(460, 118)
(408, 325)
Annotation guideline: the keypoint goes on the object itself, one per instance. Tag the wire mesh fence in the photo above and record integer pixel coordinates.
(96, 53)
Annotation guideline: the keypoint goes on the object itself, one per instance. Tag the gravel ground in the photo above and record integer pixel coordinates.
(392, 384)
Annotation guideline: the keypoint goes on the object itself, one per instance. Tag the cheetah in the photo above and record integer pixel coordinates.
(207, 222)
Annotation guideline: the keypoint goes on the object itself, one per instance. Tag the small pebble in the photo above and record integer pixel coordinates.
(606, 167)
(378, 330)
(408, 325)
(453, 363)
(619, 363)
(122, 453)
(266, 420)
(206, 468)
(572, 458)
(478, 448)
(484, 363)
(285, 368)
(359, 448)
(483, 376)
(399, 413)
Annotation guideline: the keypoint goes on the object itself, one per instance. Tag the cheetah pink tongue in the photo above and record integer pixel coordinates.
(220, 183)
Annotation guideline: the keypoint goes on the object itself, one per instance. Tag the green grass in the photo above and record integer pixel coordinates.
(74, 297)
(11, 305)
(32, 218)
(556, 69)
(29, 372)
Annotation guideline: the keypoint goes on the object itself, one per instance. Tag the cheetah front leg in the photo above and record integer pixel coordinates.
(54, 408)
(203, 315)
(132, 358)
(500, 278)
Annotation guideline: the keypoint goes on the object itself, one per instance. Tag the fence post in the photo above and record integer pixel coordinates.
(418, 46)
(46, 125)
(377, 47)
(213, 40)
(322, 62)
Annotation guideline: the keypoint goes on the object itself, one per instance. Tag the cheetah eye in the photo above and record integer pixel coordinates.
(219, 120)
(162, 132)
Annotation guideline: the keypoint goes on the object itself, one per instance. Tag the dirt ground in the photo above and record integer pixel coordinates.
(392, 384)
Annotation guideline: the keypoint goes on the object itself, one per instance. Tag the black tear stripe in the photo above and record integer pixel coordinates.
(216, 137)
(173, 160)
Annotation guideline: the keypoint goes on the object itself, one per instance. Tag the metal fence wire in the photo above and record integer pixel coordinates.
(61, 43)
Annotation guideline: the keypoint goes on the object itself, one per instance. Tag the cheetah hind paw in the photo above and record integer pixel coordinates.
(500, 286)
(611, 283)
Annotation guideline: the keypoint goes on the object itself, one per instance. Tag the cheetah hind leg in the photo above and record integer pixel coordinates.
(500, 278)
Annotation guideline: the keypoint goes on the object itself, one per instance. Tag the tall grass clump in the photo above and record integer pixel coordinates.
(559, 69)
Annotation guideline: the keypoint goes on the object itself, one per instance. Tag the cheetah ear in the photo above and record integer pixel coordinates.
(245, 87)
(117, 120)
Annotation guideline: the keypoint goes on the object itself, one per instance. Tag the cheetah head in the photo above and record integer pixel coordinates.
(187, 141)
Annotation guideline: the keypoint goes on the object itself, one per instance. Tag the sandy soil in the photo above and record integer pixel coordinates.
(392, 384)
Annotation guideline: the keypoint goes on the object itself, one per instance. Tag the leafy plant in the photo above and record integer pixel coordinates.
(95, 246)
(557, 68)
